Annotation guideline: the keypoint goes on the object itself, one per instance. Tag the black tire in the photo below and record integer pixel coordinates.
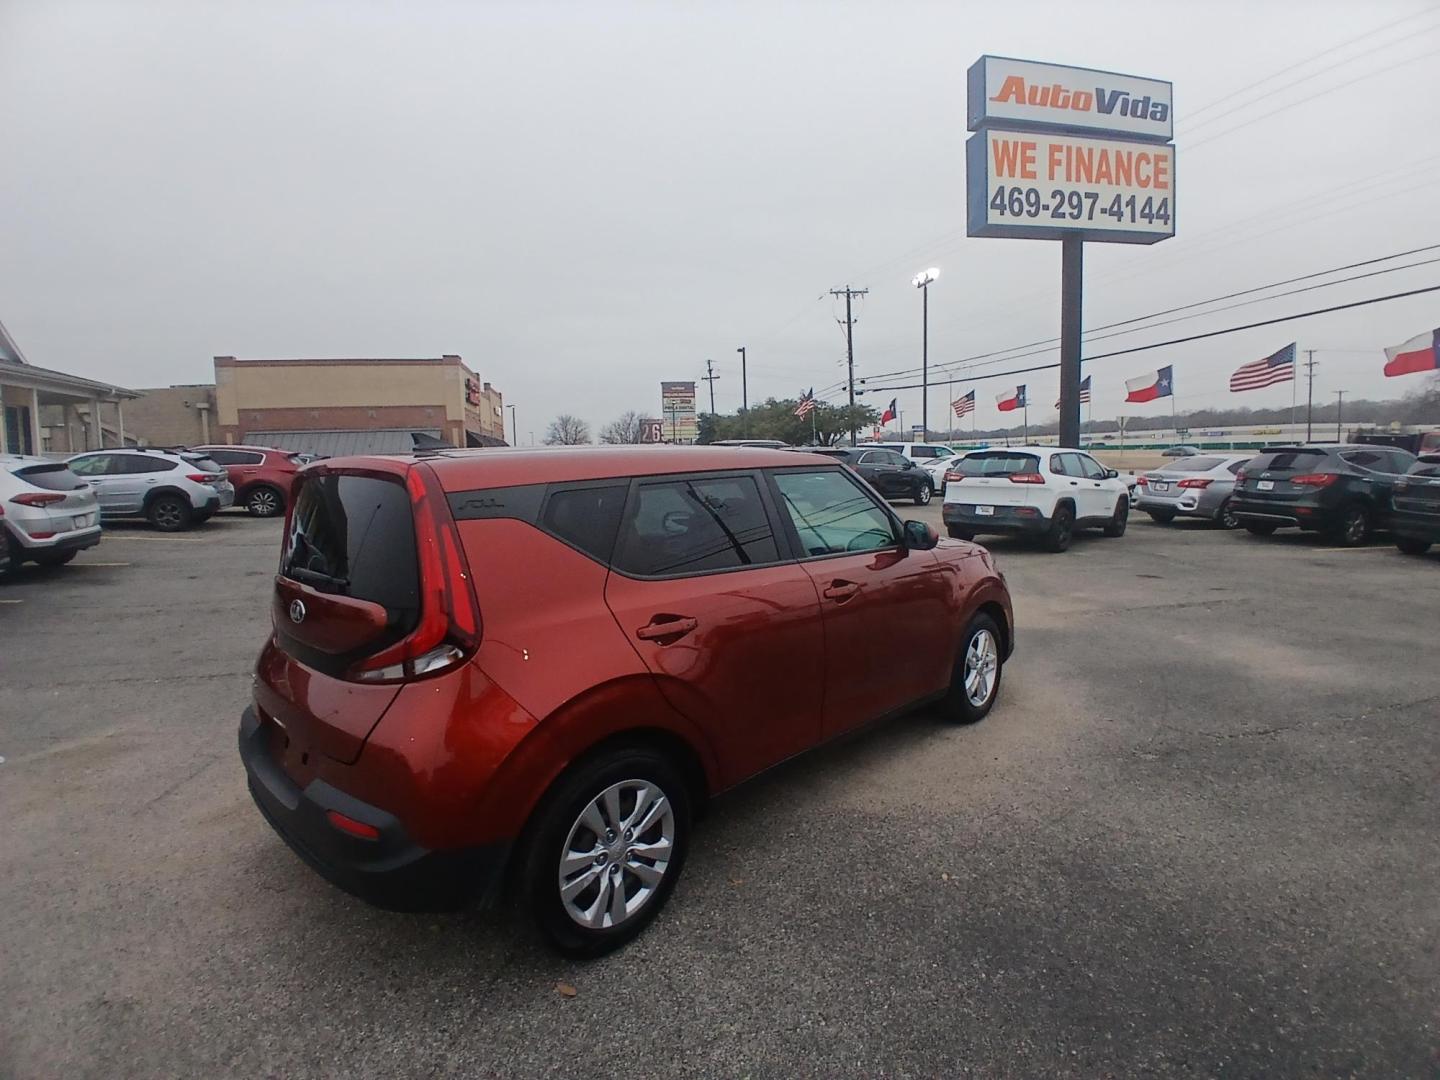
(957, 533)
(1225, 516)
(169, 513)
(924, 493)
(1410, 546)
(1260, 528)
(1162, 517)
(958, 706)
(1062, 530)
(265, 501)
(1115, 527)
(53, 558)
(1353, 528)
(550, 831)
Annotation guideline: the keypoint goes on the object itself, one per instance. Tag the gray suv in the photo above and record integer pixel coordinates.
(172, 489)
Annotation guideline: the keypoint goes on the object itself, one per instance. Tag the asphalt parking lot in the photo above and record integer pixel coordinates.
(1197, 836)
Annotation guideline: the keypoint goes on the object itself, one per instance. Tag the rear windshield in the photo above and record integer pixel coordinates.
(52, 477)
(355, 536)
(200, 461)
(1195, 464)
(997, 464)
(1285, 460)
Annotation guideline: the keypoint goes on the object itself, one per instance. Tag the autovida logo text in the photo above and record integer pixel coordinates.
(1106, 102)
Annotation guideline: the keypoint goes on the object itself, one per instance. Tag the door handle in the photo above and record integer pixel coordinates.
(666, 626)
(840, 590)
(1074, 483)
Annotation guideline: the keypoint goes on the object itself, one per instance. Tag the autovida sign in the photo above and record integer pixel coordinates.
(1063, 151)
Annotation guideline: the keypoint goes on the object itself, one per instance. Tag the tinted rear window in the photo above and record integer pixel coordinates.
(355, 536)
(586, 517)
(997, 464)
(1285, 460)
(56, 477)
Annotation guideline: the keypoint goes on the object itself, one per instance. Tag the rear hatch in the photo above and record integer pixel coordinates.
(1417, 493)
(1271, 476)
(991, 478)
(68, 500)
(373, 593)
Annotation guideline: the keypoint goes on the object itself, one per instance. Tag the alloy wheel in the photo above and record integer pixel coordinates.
(616, 854)
(982, 661)
(264, 503)
(1228, 519)
(1354, 527)
(168, 514)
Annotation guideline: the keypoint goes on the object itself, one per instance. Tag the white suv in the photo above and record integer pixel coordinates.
(1042, 491)
(920, 453)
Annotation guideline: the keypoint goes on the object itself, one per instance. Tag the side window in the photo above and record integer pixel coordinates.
(687, 526)
(926, 452)
(96, 465)
(1093, 469)
(833, 515)
(235, 457)
(586, 517)
(142, 463)
(1399, 462)
(1371, 460)
(1057, 465)
(874, 457)
(890, 457)
(1235, 467)
(1074, 468)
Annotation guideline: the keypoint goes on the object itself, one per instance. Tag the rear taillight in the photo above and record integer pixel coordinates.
(1319, 479)
(1142, 481)
(1196, 482)
(37, 498)
(953, 477)
(203, 477)
(1240, 477)
(1026, 478)
(449, 626)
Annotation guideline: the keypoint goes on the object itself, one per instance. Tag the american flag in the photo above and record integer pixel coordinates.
(1084, 392)
(807, 403)
(1276, 368)
(964, 405)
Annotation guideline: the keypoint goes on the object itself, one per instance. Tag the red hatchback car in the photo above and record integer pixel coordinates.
(536, 667)
(262, 475)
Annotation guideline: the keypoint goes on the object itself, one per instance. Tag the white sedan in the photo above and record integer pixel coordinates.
(937, 468)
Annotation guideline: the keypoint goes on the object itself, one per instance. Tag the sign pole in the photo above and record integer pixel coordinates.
(1072, 274)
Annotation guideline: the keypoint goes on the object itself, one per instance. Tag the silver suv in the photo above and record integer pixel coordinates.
(173, 489)
(49, 512)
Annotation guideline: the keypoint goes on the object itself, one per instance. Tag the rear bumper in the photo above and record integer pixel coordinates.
(1415, 526)
(1285, 515)
(390, 872)
(1020, 520)
(1191, 504)
(75, 540)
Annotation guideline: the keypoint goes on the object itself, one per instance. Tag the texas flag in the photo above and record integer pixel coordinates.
(1157, 384)
(1011, 402)
(1418, 354)
(891, 412)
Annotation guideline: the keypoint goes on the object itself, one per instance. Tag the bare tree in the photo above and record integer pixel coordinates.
(567, 430)
(627, 429)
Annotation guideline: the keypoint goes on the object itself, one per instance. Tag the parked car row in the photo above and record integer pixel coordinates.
(51, 510)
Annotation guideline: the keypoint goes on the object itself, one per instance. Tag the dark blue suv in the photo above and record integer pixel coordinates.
(1342, 492)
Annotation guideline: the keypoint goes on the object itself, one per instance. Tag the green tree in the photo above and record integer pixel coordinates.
(775, 418)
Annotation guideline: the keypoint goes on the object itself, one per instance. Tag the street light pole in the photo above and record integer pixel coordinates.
(744, 395)
(1339, 410)
(922, 282)
(514, 432)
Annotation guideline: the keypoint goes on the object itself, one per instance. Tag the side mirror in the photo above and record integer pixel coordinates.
(909, 464)
(1112, 474)
(919, 536)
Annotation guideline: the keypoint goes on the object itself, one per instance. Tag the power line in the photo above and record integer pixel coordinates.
(1001, 354)
(1310, 60)
(1177, 341)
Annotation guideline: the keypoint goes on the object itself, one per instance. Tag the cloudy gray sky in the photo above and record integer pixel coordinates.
(583, 199)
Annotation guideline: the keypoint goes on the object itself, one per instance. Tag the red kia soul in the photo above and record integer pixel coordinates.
(534, 668)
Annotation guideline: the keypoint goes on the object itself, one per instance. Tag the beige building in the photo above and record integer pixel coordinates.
(278, 401)
(174, 415)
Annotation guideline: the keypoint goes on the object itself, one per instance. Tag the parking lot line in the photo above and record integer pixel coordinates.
(103, 564)
(12, 601)
(175, 539)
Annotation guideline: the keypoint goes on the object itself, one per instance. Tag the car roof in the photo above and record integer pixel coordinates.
(1028, 449)
(238, 446)
(465, 470)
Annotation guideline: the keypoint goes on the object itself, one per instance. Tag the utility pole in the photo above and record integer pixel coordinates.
(744, 395)
(710, 377)
(514, 431)
(1309, 392)
(849, 294)
(1339, 411)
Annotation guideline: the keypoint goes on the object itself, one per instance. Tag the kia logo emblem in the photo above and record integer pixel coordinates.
(297, 611)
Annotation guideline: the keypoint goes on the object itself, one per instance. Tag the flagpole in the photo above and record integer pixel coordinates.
(950, 431)
(1026, 428)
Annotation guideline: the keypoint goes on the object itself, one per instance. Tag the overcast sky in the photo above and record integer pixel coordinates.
(584, 199)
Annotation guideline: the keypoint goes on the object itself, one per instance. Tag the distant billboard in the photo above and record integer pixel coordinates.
(1027, 94)
(677, 411)
(1045, 185)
